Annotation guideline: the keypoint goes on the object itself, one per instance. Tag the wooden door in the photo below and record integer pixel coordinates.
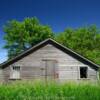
(50, 69)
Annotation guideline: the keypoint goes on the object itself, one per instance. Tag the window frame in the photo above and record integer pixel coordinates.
(12, 71)
(86, 72)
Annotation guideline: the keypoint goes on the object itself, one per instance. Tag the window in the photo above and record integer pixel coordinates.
(15, 72)
(83, 72)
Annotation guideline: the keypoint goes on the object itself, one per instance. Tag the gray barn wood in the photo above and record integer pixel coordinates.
(48, 62)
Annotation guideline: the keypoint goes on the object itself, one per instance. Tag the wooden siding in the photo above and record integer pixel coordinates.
(6, 73)
(31, 65)
(1, 75)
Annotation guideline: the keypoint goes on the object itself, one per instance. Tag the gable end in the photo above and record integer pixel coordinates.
(57, 45)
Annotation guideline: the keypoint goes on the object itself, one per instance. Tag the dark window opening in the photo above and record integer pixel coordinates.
(17, 68)
(83, 72)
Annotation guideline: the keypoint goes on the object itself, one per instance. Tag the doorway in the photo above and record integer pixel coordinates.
(50, 70)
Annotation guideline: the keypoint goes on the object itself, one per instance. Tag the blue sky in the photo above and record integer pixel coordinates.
(59, 14)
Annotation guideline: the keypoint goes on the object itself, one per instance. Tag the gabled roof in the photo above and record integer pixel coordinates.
(57, 45)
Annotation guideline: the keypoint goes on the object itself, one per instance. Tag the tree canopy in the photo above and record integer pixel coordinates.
(84, 40)
(22, 35)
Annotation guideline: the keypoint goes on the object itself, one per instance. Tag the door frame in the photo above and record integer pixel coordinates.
(55, 68)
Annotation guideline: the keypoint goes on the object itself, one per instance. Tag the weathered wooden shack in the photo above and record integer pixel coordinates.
(49, 60)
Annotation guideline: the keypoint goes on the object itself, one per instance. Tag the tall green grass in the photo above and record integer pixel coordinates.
(49, 91)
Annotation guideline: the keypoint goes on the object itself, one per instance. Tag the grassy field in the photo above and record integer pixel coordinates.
(51, 91)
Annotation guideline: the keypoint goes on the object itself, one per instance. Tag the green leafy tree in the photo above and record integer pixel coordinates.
(84, 40)
(22, 35)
